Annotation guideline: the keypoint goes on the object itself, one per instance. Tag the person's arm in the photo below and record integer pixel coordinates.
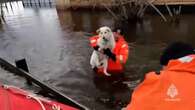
(123, 53)
(93, 41)
(122, 56)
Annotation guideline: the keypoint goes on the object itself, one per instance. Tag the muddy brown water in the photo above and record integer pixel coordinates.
(56, 47)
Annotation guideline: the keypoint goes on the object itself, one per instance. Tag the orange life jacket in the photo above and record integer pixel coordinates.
(121, 50)
(173, 89)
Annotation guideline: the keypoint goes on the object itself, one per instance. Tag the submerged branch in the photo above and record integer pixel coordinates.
(111, 12)
(168, 9)
(133, 9)
(158, 11)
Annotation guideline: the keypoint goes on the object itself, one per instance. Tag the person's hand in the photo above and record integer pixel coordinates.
(110, 54)
(96, 48)
(123, 108)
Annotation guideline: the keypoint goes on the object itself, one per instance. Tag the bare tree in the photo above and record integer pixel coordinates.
(131, 9)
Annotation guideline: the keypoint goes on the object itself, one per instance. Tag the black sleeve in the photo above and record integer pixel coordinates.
(110, 54)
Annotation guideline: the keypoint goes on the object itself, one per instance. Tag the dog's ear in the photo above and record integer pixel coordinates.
(108, 30)
(98, 31)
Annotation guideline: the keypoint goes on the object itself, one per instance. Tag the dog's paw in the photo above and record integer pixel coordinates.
(107, 74)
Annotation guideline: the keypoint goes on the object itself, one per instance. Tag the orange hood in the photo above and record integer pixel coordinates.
(180, 64)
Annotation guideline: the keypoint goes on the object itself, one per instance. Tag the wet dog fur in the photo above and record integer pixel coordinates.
(106, 40)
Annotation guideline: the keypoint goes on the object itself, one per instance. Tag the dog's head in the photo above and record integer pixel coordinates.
(105, 33)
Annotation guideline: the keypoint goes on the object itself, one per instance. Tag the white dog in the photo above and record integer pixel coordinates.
(105, 40)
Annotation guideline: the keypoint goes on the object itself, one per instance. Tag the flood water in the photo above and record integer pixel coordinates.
(56, 47)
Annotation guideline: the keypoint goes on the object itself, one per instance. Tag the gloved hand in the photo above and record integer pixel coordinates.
(110, 54)
(96, 48)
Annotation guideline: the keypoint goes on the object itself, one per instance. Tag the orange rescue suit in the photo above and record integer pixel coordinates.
(121, 51)
(173, 89)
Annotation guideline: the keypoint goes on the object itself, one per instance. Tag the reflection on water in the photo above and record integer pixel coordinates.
(88, 21)
(57, 50)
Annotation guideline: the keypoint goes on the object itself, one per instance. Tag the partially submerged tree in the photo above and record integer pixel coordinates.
(131, 9)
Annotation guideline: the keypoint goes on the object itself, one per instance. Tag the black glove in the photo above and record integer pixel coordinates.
(96, 48)
(95, 69)
(110, 54)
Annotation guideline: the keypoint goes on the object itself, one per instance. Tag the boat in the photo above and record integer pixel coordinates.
(14, 98)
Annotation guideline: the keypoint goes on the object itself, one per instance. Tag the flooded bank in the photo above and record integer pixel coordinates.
(56, 47)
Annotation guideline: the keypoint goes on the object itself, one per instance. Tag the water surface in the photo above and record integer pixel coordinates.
(56, 47)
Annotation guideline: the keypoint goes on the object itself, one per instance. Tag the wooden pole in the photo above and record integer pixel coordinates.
(23, 65)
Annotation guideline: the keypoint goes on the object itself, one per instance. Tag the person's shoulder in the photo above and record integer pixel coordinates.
(121, 40)
(150, 77)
